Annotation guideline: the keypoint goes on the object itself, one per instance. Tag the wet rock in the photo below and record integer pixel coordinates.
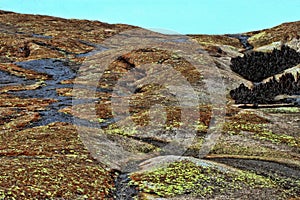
(124, 190)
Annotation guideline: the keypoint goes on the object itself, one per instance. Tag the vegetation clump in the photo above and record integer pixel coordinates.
(257, 66)
(186, 177)
(266, 93)
(256, 126)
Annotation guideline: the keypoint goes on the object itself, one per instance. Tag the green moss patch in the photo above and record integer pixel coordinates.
(30, 178)
(50, 162)
(256, 126)
(185, 177)
(283, 110)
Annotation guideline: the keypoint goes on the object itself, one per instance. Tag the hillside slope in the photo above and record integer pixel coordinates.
(91, 110)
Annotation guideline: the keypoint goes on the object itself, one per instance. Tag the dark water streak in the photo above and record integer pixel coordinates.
(58, 70)
(243, 40)
(123, 190)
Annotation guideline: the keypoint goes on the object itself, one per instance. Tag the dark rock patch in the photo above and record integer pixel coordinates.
(265, 93)
(124, 191)
(257, 66)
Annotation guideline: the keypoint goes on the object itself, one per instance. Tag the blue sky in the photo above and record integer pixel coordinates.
(181, 16)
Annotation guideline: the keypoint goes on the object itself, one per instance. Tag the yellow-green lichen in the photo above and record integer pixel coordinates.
(283, 110)
(185, 177)
(257, 36)
(259, 131)
(124, 130)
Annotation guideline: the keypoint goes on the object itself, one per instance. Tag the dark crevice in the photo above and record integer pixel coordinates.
(256, 106)
(53, 47)
(129, 64)
(153, 141)
(41, 36)
(123, 189)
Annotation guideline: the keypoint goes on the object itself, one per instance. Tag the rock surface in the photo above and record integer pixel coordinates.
(91, 110)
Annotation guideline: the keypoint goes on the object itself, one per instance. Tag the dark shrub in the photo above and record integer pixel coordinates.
(256, 66)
